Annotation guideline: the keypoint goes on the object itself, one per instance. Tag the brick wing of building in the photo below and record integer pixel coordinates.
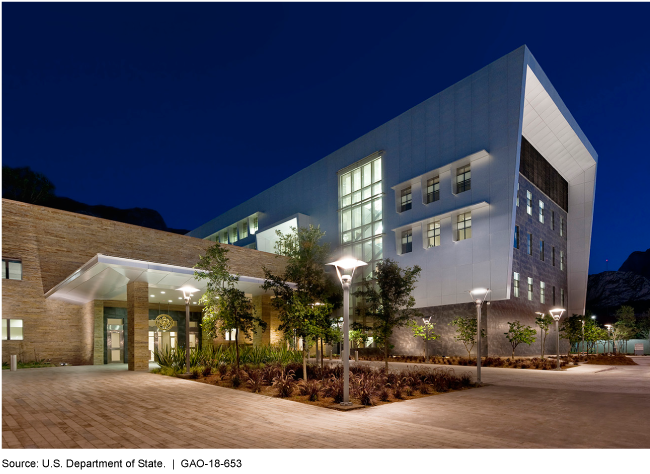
(83, 290)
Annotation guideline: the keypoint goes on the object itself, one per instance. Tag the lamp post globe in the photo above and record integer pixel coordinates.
(345, 268)
(478, 295)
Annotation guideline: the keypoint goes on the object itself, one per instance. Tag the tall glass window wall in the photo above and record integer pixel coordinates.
(360, 215)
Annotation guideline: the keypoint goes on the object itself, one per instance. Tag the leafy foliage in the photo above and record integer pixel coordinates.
(544, 321)
(25, 185)
(225, 307)
(426, 332)
(519, 334)
(466, 332)
(284, 383)
(388, 299)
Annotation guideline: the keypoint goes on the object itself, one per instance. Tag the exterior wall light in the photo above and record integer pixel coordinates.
(345, 268)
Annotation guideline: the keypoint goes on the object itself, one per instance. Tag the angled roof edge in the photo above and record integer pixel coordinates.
(530, 61)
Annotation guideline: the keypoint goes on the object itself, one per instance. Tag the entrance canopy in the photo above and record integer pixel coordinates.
(105, 278)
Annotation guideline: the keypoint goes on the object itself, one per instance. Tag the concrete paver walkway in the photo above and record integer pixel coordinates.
(109, 407)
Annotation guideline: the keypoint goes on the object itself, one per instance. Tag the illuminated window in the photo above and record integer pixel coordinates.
(530, 244)
(561, 260)
(407, 241)
(433, 234)
(517, 194)
(12, 269)
(433, 189)
(254, 225)
(515, 285)
(530, 289)
(561, 226)
(405, 203)
(464, 226)
(233, 234)
(12, 329)
(243, 229)
(516, 245)
(541, 212)
(542, 288)
(529, 203)
(360, 214)
(463, 179)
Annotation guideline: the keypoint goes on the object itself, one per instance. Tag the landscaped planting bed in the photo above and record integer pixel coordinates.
(368, 386)
(500, 362)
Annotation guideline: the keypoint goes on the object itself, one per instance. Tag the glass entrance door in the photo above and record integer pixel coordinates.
(115, 341)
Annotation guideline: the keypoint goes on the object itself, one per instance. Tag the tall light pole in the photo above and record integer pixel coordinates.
(593, 316)
(556, 313)
(609, 333)
(426, 338)
(345, 270)
(478, 295)
(187, 295)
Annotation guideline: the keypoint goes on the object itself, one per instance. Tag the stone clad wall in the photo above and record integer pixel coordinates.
(52, 244)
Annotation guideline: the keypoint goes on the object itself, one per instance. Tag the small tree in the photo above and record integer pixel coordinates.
(592, 334)
(426, 332)
(544, 321)
(358, 337)
(225, 307)
(625, 327)
(466, 332)
(519, 334)
(388, 299)
(571, 329)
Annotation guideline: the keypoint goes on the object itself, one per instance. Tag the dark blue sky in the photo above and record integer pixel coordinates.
(190, 109)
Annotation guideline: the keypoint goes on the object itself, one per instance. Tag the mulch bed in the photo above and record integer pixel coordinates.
(611, 360)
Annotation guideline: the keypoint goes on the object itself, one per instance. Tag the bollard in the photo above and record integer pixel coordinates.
(356, 356)
(14, 362)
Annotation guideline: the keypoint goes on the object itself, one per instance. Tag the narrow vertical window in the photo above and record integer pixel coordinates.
(541, 212)
(529, 203)
(515, 285)
(541, 250)
(433, 189)
(552, 220)
(433, 234)
(530, 289)
(553, 296)
(516, 236)
(243, 229)
(562, 298)
(407, 241)
(561, 260)
(530, 244)
(406, 199)
(542, 287)
(553, 255)
(517, 194)
(233, 234)
(561, 226)
(463, 179)
(464, 226)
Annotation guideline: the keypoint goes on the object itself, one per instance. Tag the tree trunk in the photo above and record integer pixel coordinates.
(513, 353)
(237, 349)
(386, 354)
(304, 359)
(543, 344)
(322, 361)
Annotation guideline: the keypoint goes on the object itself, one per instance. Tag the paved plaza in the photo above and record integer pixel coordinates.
(108, 407)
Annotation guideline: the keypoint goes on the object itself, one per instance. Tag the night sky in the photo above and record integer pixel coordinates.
(190, 109)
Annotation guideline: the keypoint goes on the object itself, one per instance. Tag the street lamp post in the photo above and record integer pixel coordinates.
(347, 266)
(426, 338)
(556, 313)
(475, 294)
(187, 295)
(609, 333)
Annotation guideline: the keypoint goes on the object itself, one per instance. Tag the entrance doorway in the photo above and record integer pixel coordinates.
(115, 341)
(160, 340)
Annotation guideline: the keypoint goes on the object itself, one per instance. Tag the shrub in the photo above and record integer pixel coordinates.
(384, 394)
(256, 380)
(284, 383)
(207, 371)
(364, 389)
(311, 389)
(223, 370)
(236, 380)
(195, 372)
(334, 389)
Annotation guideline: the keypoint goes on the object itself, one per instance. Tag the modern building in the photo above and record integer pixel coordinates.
(489, 183)
(82, 290)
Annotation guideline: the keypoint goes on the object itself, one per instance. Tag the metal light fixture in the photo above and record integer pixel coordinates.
(345, 268)
(478, 295)
(556, 313)
(187, 295)
(426, 322)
